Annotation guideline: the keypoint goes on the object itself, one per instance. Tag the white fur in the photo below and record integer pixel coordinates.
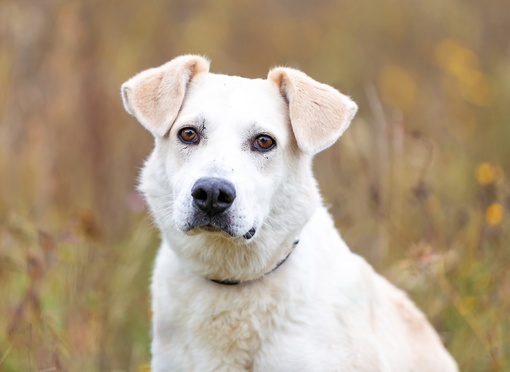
(324, 309)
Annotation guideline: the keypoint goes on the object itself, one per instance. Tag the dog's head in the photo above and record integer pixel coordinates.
(229, 181)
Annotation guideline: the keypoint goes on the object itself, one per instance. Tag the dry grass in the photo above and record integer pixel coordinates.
(420, 184)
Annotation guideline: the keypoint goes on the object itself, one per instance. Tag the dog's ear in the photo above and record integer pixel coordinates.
(319, 114)
(155, 96)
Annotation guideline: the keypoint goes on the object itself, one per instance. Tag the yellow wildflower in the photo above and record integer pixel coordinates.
(486, 173)
(494, 214)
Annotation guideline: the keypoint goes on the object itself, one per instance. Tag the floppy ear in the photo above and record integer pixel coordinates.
(319, 114)
(155, 96)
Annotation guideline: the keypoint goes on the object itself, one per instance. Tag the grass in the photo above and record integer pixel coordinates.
(74, 303)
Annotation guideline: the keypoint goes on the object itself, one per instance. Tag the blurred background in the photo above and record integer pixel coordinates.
(419, 185)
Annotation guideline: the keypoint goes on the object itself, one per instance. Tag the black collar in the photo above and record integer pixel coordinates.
(237, 282)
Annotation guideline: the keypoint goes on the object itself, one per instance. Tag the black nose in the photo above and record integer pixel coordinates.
(213, 195)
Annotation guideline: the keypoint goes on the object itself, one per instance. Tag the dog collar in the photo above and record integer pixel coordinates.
(237, 282)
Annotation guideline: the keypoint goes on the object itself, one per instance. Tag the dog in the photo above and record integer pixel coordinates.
(251, 274)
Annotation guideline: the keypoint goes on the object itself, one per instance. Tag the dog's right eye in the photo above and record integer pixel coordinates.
(189, 136)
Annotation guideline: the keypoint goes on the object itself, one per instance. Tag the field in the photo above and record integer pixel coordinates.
(419, 185)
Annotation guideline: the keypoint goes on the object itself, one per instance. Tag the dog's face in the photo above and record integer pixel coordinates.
(229, 140)
(229, 181)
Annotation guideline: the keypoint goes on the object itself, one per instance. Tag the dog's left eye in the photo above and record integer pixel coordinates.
(263, 143)
(188, 135)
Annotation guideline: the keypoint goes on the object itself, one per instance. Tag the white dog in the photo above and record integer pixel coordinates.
(251, 274)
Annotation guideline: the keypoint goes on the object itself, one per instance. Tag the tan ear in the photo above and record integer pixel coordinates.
(155, 96)
(319, 114)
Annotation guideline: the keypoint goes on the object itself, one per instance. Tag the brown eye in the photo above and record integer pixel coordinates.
(264, 143)
(189, 136)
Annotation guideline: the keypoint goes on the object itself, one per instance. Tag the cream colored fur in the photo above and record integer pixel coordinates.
(324, 309)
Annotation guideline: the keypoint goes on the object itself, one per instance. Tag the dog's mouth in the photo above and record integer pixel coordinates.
(221, 224)
(215, 229)
(211, 228)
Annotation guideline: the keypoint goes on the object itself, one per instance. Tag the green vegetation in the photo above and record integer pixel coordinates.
(419, 185)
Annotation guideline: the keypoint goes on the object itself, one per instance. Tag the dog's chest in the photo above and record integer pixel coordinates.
(231, 334)
(222, 325)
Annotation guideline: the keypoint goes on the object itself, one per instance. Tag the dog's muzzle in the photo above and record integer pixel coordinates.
(212, 198)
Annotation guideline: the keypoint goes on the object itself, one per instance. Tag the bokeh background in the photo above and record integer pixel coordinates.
(419, 185)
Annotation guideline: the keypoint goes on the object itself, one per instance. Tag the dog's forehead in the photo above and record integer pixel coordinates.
(225, 97)
(234, 89)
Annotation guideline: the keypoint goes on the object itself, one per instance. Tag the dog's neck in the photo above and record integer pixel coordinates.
(280, 263)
